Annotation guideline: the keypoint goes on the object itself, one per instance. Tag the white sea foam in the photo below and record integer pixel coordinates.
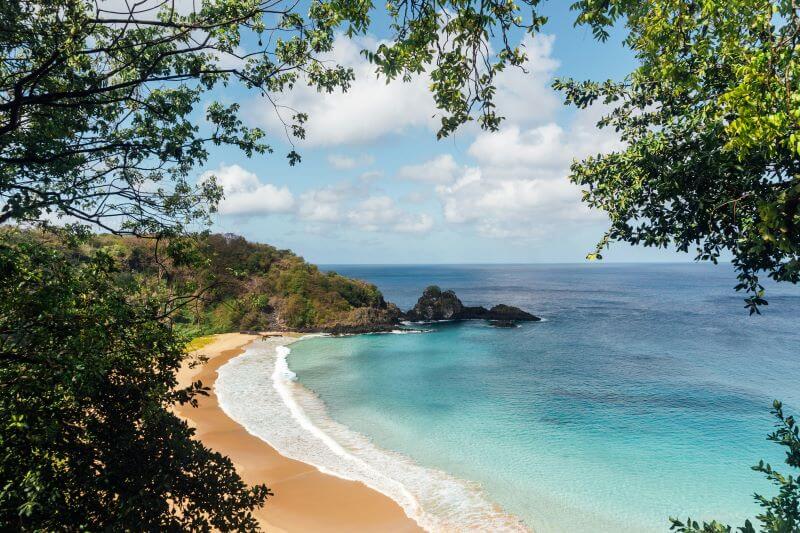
(259, 390)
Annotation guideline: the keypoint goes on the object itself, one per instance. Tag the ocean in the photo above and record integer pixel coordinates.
(643, 394)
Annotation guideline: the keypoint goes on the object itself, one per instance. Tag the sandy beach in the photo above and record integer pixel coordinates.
(305, 499)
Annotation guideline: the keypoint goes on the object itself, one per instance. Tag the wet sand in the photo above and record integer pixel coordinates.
(305, 500)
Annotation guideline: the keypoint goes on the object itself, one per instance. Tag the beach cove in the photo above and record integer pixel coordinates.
(611, 414)
(644, 392)
(305, 499)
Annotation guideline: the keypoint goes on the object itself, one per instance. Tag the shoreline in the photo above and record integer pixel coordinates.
(260, 392)
(305, 499)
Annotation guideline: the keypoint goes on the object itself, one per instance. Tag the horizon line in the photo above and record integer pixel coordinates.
(321, 263)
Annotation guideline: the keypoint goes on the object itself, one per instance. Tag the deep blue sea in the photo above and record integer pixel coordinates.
(644, 393)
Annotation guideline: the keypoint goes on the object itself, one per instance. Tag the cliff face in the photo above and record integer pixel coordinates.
(435, 304)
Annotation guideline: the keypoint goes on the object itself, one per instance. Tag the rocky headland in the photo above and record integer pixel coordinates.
(436, 304)
(251, 287)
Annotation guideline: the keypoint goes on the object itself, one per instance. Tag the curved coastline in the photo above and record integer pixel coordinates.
(305, 498)
(258, 390)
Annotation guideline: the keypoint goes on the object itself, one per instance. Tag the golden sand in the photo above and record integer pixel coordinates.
(305, 500)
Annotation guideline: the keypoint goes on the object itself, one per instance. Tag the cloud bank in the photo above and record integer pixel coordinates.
(508, 183)
(342, 205)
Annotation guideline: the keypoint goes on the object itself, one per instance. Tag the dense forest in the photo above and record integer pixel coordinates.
(230, 284)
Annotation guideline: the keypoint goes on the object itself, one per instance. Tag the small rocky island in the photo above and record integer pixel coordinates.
(436, 304)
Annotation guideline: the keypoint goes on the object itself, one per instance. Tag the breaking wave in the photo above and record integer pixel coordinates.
(260, 392)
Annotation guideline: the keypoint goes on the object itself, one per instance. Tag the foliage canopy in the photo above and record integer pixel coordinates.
(710, 119)
(87, 437)
(239, 285)
(102, 115)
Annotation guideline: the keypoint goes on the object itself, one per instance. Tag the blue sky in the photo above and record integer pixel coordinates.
(375, 186)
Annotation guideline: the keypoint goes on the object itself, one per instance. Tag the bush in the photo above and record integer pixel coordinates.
(87, 436)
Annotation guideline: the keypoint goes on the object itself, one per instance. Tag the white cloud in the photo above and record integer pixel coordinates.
(525, 96)
(377, 213)
(519, 186)
(441, 169)
(372, 108)
(323, 205)
(416, 197)
(546, 150)
(345, 204)
(419, 223)
(348, 204)
(369, 110)
(245, 194)
(539, 147)
(499, 207)
(370, 175)
(231, 60)
(374, 212)
(343, 162)
(119, 8)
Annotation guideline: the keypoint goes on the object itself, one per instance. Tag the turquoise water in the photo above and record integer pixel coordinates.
(644, 394)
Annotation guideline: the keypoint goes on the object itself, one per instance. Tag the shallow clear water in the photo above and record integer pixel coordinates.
(644, 394)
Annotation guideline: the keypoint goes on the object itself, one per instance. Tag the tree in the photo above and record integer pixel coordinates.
(99, 99)
(102, 120)
(87, 439)
(710, 119)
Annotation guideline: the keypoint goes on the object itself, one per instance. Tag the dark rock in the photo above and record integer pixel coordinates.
(502, 323)
(435, 304)
(354, 329)
(473, 313)
(385, 317)
(509, 312)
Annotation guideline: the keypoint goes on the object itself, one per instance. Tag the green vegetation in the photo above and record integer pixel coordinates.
(104, 116)
(198, 342)
(711, 124)
(222, 283)
(88, 376)
(241, 285)
(92, 330)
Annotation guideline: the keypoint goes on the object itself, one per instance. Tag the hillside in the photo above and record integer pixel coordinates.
(222, 283)
(243, 285)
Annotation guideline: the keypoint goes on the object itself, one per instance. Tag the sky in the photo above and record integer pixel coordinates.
(375, 185)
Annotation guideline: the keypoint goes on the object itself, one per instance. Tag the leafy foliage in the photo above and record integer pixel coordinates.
(88, 439)
(710, 120)
(100, 103)
(102, 119)
(221, 283)
(781, 513)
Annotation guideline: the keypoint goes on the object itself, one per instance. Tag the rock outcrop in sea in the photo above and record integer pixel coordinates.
(436, 304)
